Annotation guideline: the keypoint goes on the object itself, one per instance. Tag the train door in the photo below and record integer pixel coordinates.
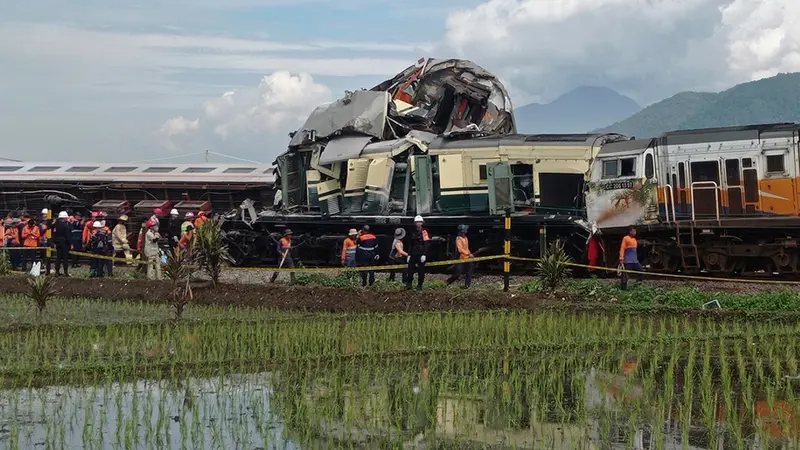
(777, 184)
(423, 183)
(683, 191)
(733, 187)
(704, 189)
(500, 181)
(752, 198)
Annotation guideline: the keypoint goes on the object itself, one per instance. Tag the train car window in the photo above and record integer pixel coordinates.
(239, 170)
(732, 172)
(82, 169)
(198, 170)
(10, 168)
(747, 162)
(682, 174)
(610, 168)
(159, 169)
(482, 172)
(649, 166)
(705, 171)
(775, 164)
(627, 167)
(120, 169)
(43, 169)
(674, 181)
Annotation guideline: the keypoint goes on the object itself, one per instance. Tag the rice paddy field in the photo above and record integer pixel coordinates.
(98, 373)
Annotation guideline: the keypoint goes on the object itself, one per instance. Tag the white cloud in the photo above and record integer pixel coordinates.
(266, 113)
(179, 125)
(648, 48)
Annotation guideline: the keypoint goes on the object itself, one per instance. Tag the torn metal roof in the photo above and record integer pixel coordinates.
(433, 96)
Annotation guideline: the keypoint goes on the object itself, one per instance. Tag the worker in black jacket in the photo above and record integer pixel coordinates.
(366, 254)
(61, 239)
(416, 254)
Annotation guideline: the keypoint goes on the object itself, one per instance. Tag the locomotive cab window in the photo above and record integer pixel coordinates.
(776, 164)
(627, 167)
(649, 166)
(610, 168)
(616, 168)
(482, 172)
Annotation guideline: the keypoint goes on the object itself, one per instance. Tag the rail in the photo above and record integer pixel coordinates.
(671, 204)
(705, 185)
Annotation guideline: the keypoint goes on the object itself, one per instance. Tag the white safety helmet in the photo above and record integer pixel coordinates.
(63, 215)
(189, 215)
(97, 224)
(44, 211)
(418, 219)
(352, 232)
(173, 212)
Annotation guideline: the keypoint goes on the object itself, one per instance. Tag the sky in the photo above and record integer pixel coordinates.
(158, 79)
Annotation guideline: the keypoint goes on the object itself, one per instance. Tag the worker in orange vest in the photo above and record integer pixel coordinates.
(31, 236)
(285, 254)
(349, 249)
(12, 240)
(200, 220)
(629, 257)
(187, 238)
(367, 254)
(464, 268)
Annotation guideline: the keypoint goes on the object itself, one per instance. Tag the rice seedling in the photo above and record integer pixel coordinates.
(546, 379)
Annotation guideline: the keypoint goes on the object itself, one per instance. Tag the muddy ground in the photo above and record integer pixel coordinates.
(322, 299)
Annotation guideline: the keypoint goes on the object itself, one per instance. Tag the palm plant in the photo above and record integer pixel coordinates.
(554, 266)
(210, 249)
(40, 289)
(178, 270)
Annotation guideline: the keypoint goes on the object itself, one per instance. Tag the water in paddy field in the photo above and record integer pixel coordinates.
(526, 403)
(233, 412)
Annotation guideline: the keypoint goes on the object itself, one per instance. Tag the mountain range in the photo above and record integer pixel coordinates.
(585, 109)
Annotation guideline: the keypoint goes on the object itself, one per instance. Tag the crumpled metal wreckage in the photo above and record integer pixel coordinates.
(432, 97)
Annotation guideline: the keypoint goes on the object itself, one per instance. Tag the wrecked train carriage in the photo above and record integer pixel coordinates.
(450, 179)
(131, 189)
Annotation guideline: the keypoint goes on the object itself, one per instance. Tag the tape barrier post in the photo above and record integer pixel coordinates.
(507, 251)
(48, 235)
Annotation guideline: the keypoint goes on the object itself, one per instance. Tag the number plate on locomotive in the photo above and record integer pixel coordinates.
(621, 184)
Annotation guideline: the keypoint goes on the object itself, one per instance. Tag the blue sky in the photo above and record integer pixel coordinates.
(112, 81)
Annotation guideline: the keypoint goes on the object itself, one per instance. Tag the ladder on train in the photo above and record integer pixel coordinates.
(690, 255)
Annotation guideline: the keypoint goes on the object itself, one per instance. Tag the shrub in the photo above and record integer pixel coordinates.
(40, 289)
(210, 249)
(553, 267)
(178, 270)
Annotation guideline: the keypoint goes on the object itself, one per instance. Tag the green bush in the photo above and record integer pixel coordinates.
(554, 267)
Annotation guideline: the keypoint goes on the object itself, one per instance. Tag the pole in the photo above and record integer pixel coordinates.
(542, 241)
(507, 250)
(48, 235)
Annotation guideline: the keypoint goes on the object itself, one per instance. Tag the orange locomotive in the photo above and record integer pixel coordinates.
(719, 200)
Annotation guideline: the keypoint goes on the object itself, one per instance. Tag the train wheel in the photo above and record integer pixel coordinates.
(717, 261)
(661, 261)
(785, 262)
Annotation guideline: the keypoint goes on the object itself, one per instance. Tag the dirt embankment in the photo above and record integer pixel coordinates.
(286, 297)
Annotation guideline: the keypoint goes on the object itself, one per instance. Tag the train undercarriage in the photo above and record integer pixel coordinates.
(717, 249)
(318, 243)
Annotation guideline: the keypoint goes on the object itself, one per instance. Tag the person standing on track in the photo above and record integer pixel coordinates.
(349, 249)
(398, 254)
(464, 268)
(62, 239)
(367, 255)
(285, 252)
(416, 257)
(629, 258)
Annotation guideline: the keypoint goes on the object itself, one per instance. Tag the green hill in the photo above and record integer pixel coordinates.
(775, 99)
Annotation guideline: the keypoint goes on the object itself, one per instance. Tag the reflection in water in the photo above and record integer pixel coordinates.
(229, 413)
(533, 400)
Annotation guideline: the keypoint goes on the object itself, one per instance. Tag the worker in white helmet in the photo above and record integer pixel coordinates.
(188, 219)
(416, 254)
(174, 230)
